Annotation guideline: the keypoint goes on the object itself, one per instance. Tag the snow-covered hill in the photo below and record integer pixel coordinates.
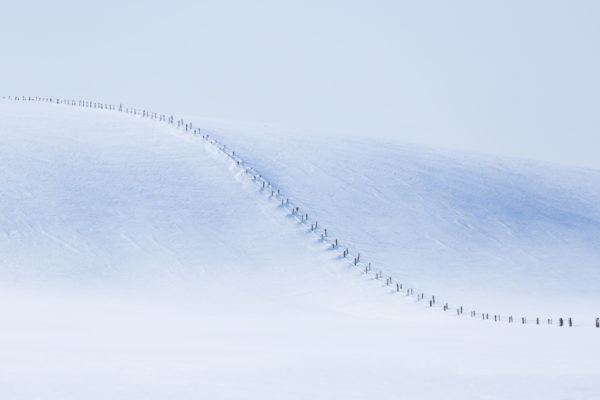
(138, 261)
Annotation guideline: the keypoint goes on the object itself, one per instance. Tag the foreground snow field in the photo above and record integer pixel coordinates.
(138, 262)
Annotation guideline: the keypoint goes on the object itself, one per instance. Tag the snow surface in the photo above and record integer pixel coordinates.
(138, 261)
(501, 235)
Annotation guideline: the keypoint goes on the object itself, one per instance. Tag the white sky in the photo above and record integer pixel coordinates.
(517, 78)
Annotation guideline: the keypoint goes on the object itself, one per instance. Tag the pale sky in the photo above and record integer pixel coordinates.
(518, 78)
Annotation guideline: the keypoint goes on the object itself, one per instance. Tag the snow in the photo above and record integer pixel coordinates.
(138, 261)
(501, 235)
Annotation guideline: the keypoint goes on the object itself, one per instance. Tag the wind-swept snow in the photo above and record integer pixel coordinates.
(138, 262)
(499, 235)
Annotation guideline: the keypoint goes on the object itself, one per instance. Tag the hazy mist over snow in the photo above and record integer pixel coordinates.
(515, 78)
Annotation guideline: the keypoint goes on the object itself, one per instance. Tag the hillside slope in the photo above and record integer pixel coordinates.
(138, 262)
(499, 234)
